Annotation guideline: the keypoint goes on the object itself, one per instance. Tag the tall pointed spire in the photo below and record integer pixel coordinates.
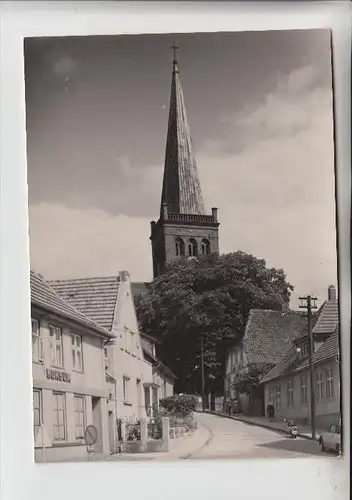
(181, 187)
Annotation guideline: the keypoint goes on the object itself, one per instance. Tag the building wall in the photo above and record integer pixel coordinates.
(127, 355)
(88, 384)
(327, 409)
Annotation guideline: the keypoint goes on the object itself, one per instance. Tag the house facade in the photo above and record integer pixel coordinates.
(287, 385)
(266, 338)
(162, 377)
(130, 362)
(69, 386)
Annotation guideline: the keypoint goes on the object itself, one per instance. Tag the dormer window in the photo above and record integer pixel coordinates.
(303, 349)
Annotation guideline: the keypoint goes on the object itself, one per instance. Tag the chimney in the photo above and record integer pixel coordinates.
(332, 293)
(124, 275)
(214, 213)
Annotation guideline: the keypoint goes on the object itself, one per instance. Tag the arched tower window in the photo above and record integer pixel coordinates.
(205, 246)
(179, 247)
(192, 248)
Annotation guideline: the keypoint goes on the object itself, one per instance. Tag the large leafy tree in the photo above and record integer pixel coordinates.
(207, 300)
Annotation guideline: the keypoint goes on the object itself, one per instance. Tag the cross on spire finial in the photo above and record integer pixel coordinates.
(174, 47)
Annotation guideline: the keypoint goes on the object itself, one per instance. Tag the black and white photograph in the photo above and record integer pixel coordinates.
(183, 246)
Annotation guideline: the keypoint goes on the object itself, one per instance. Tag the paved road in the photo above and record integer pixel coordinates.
(234, 439)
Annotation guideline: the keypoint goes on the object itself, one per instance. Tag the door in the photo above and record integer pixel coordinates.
(97, 422)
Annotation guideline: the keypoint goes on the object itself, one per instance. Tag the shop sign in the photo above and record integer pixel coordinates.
(58, 375)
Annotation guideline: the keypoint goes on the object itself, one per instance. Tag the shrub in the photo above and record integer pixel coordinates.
(183, 404)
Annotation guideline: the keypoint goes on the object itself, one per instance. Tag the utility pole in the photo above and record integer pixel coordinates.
(203, 377)
(309, 303)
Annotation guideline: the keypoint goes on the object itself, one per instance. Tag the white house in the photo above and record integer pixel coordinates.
(69, 386)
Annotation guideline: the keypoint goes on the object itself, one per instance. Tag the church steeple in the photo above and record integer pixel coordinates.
(181, 187)
(183, 229)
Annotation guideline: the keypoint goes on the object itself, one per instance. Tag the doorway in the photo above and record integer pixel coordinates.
(111, 432)
(96, 411)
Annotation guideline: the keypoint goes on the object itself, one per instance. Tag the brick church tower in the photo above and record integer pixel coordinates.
(183, 228)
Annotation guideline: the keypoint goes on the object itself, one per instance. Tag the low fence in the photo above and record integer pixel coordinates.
(144, 436)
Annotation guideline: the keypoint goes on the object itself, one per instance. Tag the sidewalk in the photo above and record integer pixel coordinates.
(279, 425)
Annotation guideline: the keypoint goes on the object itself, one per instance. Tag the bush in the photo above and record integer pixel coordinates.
(183, 405)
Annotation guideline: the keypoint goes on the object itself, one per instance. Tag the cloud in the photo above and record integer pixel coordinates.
(73, 243)
(277, 192)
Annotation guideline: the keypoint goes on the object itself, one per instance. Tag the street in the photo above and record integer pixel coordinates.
(234, 439)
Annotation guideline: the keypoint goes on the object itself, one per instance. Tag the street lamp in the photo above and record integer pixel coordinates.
(310, 303)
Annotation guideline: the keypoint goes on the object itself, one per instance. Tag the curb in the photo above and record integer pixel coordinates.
(258, 424)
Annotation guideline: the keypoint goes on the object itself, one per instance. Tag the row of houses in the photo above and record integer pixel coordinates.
(90, 364)
(275, 346)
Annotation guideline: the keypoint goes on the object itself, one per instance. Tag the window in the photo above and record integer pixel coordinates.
(37, 412)
(59, 416)
(80, 417)
(205, 247)
(126, 381)
(179, 247)
(290, 394)
(304, 350)
(56, 346)
(271, 395)
(36, 344)
(319, 386)
(76, 349)
(192, 248)
(278, 397)
(303, 387)
(329, 383)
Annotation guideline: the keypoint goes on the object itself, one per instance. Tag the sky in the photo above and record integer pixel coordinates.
(259, 106)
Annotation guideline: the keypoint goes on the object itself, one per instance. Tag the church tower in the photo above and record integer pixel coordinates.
(183, 228)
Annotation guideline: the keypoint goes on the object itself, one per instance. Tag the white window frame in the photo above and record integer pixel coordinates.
(37, 353)
(37, 410)
(80, 416)
(125, 388)
(54, 344)
(59, 396)
(290, 393)
(77, 352)
(329, 383)
(319, 387)
(303, 389)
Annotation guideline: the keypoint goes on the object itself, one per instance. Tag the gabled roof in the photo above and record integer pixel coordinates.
(94, 297)
(45, 297)
(181, 191)
(325, 321)
(327, 350)
(268, 334)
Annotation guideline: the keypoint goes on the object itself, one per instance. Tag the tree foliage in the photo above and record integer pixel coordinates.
(209, 299)
(247, 380)
(183, 404)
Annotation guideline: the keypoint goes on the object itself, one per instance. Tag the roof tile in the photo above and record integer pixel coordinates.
(269, 333)
(94, 297)
(45, 296)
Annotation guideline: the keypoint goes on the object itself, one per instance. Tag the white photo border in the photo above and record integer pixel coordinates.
(21, 478)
